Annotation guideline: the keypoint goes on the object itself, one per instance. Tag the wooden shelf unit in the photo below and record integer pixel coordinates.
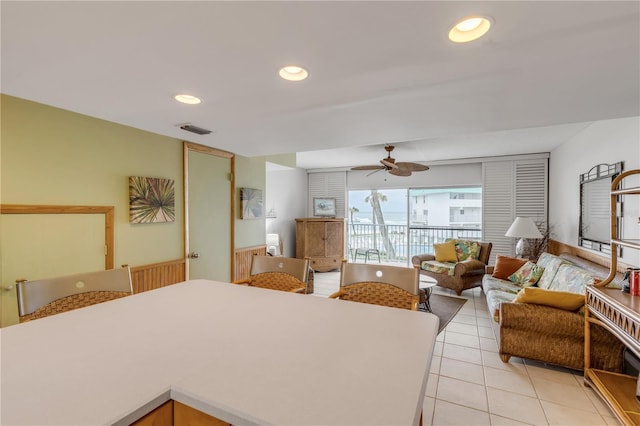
(619, 313)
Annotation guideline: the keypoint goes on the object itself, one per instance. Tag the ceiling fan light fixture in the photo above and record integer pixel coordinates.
(469, 29)
(293, 73)
(187, 99)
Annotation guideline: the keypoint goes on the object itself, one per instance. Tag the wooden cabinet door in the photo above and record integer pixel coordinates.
(161, 416)
(183, 415)
(316, 239)
(333, 239)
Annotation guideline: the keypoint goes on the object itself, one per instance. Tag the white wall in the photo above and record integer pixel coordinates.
(608, 141)
(286, 191)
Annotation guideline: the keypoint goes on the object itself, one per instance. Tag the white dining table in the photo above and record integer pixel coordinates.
(244, 355)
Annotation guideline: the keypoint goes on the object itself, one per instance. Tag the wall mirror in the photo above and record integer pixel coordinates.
(595, 207)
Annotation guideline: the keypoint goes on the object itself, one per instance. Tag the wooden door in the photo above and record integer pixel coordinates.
(316, 239)
(209, 233)
(334, 239)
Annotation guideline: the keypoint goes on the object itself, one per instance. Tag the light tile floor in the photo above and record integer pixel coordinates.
(470, 385)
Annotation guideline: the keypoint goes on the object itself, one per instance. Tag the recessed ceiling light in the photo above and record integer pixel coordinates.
(293, 73)
(187, 99)
(469, 29)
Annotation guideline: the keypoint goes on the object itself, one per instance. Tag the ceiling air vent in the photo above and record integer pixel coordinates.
(195, 129)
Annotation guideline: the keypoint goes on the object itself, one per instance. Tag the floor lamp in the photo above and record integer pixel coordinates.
(523, 227)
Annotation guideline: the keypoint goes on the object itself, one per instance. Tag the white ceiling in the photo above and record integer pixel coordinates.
(380, 72)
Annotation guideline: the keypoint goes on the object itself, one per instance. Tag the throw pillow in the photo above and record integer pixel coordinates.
(555, 299)
(505, 266)
(467, 249)
(528, 274)
(446, 252)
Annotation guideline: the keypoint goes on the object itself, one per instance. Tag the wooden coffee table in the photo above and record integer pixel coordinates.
(426, 287)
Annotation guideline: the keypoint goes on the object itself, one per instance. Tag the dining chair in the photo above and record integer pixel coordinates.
(50, 296)
(384, 285)
(279, 273)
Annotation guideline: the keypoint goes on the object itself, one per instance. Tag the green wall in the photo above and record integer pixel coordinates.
(54, 156)
(250, 173)
(57, 157)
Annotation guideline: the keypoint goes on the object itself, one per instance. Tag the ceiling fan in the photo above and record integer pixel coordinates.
(389, 164)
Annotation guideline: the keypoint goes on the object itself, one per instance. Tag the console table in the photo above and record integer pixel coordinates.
(619, 313)
(244, 355)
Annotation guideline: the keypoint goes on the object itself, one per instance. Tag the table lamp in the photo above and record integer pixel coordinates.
(273, 244)
(523, 227)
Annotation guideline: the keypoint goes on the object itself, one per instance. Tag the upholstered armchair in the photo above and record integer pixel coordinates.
(458, 271)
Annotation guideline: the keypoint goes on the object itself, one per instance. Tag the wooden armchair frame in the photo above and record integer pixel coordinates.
(467, 274)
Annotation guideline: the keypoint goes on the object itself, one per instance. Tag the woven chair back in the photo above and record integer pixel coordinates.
(297, 268)
(384, 285)
(379, 294)
(406, 279)
(277, 281)
(41, 298)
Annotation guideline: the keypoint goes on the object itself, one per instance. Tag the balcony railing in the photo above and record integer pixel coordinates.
(398, 243)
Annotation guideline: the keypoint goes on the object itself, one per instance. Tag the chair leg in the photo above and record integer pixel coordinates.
(505, 358)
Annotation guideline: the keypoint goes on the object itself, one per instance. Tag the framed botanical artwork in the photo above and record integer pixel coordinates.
(325, 207)
(251, 202)
(151, 200)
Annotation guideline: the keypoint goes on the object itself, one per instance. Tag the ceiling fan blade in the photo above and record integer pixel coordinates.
(368, 168)
(400, 172)
(389, 164)
(414, 167)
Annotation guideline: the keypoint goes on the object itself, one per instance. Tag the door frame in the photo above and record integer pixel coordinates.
(190, 146)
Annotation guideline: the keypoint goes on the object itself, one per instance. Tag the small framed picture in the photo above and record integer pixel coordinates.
(251, 203)
(325, 207)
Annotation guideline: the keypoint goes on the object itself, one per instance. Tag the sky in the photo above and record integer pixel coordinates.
(396, 200)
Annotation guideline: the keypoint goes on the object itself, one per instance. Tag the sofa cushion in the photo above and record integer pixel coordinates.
(555, 299)
(438, 267)
(445, 252)
(551, 264)
(466, 249)
(597, 271)
(506, 266)
(527, 275)
(496, 292)
(572, 279)
(545, 258)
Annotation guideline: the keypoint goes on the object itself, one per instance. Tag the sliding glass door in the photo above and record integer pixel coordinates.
(397, 224)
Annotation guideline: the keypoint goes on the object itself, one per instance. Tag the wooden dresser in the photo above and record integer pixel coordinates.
(322, 241)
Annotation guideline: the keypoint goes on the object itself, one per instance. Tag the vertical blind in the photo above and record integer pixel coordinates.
(330, 184)
(511, 189)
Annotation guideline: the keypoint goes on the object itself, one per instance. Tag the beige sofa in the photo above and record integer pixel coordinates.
(545, 333)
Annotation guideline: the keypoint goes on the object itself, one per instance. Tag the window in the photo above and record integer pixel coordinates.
(403, 222)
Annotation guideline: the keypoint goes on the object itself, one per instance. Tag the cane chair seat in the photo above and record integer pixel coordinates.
(392, 286)
(42, 298)
(279, 273)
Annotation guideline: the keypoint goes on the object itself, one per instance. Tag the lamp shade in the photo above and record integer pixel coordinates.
(523, 227)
